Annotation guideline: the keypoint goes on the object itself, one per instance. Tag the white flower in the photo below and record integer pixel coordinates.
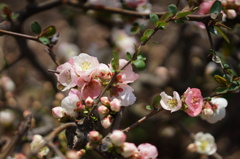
(205, 143)
(171, 103)
(218, 107)
(36, 142)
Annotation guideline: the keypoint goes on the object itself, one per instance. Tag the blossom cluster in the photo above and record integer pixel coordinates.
(84, 78)
(194, 104)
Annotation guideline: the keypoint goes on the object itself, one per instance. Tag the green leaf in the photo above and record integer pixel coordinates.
(141, 57)
(161, 25)
(44, 40)
(134, 30)
(156, 101)
(219, 79)
(172, 8)
(115, 60)
(182, 14)
(129, 56)
(149, 107)
(139, 64)
(146, 35)
(36, 28)
(49, 31)
(166, 17)
(222, 33)
(221, 90)
(154, 18)
(216, 7)
(179, 21)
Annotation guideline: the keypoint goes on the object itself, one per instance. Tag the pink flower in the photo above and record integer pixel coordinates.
(58, 112)
(103, 72)
(204, 7)
(94, 136)
(118, 137)
(194, 101)
(67, 76)
(128, 149)
(69, 103)
(127, 75)
(115, 105)
(84, 64)
(147, 151)
(91, 89)
(107, 121)
(103, 110)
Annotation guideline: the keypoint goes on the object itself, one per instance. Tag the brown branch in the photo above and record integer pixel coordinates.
(22, 129)
(54, 148)
(34, 38)
(142, 120)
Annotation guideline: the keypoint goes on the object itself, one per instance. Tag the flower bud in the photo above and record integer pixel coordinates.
(7, 117)
(103, 110)
(115, 105)
(89, 102)
(72, 154)
(128, 149)
(94, 136)
(118, 137)
(192, 147)
(7, 84)
(36, 142)
(231, 14)
(81, 153)
(105, 101)
(208, 112)
(58, 112)
(107, 121)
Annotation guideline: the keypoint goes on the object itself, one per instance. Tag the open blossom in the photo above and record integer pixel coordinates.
(194, 101)
(171, 103)
(217, 107)
(69, 103)
(127, 75)
(147, 151)
(205, 143)
(84, 64)
(67, 76)
(36, 142)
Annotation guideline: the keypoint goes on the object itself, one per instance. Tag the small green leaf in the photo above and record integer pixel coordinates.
(49, 31)
(141, 57)
(154, 18)
(139, 64)
(148, 33)
(172, 8)
(216, 7)
(156, 101)
(129, 56)
(219, 79)
(134, 30)
(182, 14)
(44, 40)
(166, 17)
(143, 38)
(161, 25)
(36, 28)
(149, 107)
(179, 21)
(115, 60)
(222, 33)
(221, 90)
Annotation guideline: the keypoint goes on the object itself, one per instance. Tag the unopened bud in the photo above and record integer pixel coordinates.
(128, 149)
(103, 110)
(107, 121)
(94, 136)
(231, 14)
(115, 105)
(208, 111)
(192, 147)
(81, 153)
(105, 101)
(89, 102)
(118, 137)
(58, 112)
(72, 154)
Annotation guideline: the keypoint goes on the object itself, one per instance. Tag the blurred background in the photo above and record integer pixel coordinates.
(177, 58)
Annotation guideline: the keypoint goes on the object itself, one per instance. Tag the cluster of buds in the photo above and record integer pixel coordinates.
(37, 141)
(107, 109)
(130, 150)
(193, 104)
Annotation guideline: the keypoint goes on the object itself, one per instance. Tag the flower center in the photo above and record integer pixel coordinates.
(203, 145)
(172, 103)
(85, 65)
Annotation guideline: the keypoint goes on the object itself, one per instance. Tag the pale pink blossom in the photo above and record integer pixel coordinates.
(204, 7)
(91, 89)
(58, 112)
(69, 103)
(84, 64)
(217, 106)
(36, 142)
(124, 93)
(115, 105)
(171, 103)
(72, 154)
(205, 143)
(127, 75)
(147, 151)
(67, 76)
(194, 101)
(128, 149)
(118, 137)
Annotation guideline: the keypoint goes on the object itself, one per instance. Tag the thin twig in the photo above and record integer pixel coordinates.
(53, 147)
(142, 119)
(19, 35)
(22, 129)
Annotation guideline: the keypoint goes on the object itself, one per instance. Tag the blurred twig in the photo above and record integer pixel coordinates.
(22, 129)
